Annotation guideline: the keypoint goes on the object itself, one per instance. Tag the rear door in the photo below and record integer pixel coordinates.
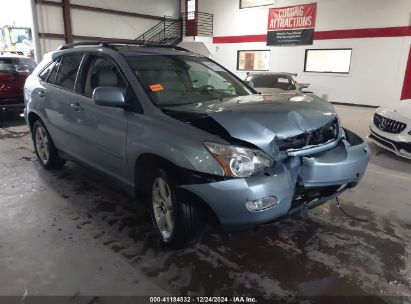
(102, 130)
(60, 106)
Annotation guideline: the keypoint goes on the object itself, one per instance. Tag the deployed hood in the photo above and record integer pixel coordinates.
(259, 119)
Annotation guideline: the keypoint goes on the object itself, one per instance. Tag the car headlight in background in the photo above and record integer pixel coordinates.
(239, 161)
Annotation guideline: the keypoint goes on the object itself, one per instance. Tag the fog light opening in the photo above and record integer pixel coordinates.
(261, 204)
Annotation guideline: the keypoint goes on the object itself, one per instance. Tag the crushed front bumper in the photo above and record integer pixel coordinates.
(336, 169)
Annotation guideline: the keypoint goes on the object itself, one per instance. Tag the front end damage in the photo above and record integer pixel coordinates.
(315, 158)
(298, 183)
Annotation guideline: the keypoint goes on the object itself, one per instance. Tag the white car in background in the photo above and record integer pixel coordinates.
(275, 83)
(391, 128)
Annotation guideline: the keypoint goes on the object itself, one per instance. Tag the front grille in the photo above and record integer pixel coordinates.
(317, 137)
(389, 125)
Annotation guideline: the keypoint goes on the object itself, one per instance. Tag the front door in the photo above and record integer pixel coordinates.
(103, 129)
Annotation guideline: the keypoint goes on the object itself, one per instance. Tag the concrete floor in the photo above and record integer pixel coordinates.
(69, 233)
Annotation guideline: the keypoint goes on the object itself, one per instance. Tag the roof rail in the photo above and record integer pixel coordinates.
(113, 44)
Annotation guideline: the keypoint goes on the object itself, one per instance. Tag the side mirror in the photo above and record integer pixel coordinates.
(109, 97)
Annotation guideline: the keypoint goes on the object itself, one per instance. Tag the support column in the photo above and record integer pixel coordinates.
(67, 21)
(38, 55)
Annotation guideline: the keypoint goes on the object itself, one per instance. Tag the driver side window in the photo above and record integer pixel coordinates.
(102, 72)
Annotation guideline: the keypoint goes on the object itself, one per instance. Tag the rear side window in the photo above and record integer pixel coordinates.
(67, 72)
(44, 75)
(53, 73)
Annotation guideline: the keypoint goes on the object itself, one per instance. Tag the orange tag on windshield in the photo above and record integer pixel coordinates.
(156, 87)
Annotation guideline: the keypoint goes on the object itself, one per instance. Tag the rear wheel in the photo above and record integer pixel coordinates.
(177, 222)
(44, 147)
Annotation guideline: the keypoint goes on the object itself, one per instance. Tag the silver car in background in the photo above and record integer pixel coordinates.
(275, 83)
(391, 128)
(191, 136)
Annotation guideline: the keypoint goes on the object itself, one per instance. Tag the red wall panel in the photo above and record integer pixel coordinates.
(406, 89)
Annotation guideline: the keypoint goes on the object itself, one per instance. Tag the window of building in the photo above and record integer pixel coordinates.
(254, 3)
(253, 60)
(67, 73)
(191, 9)
(328, 61)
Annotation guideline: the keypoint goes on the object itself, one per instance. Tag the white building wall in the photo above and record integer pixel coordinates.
(377, 66)
(97, 24)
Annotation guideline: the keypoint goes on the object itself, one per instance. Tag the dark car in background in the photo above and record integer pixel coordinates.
(14, 70)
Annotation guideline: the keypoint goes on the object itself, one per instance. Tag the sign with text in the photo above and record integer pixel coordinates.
(292, 25)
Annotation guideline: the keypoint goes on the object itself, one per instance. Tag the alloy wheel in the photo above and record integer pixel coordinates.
(42, 144)
(163, 207)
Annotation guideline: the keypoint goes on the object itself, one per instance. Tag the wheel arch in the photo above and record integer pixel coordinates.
(145, 165)
(32, 117)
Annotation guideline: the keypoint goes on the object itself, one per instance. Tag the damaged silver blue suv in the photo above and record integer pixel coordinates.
(191, 135)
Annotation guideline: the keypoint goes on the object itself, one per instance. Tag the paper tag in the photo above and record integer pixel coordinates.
(156, 87)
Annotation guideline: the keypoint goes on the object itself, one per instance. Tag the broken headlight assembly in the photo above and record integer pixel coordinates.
(239, 161)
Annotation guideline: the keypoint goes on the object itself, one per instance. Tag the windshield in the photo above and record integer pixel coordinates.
(172, 80)
(18, 35)
(272, 81)
(16, 64)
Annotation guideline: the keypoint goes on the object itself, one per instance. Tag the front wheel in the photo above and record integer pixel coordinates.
(177, 222)
(45, 149)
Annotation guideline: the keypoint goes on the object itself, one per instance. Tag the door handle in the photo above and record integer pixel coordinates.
(76, 106)
(41, 93)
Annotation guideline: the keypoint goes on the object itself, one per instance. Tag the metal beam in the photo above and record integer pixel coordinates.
(114, 12)
(100, 10)
(68, 32)
(52, 36)
(51, 3)
(83, 38)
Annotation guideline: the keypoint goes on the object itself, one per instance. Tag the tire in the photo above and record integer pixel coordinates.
(46, 151)
(185, 218)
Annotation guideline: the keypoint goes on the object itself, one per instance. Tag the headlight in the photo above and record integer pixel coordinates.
(341, 131)
(238, 161)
